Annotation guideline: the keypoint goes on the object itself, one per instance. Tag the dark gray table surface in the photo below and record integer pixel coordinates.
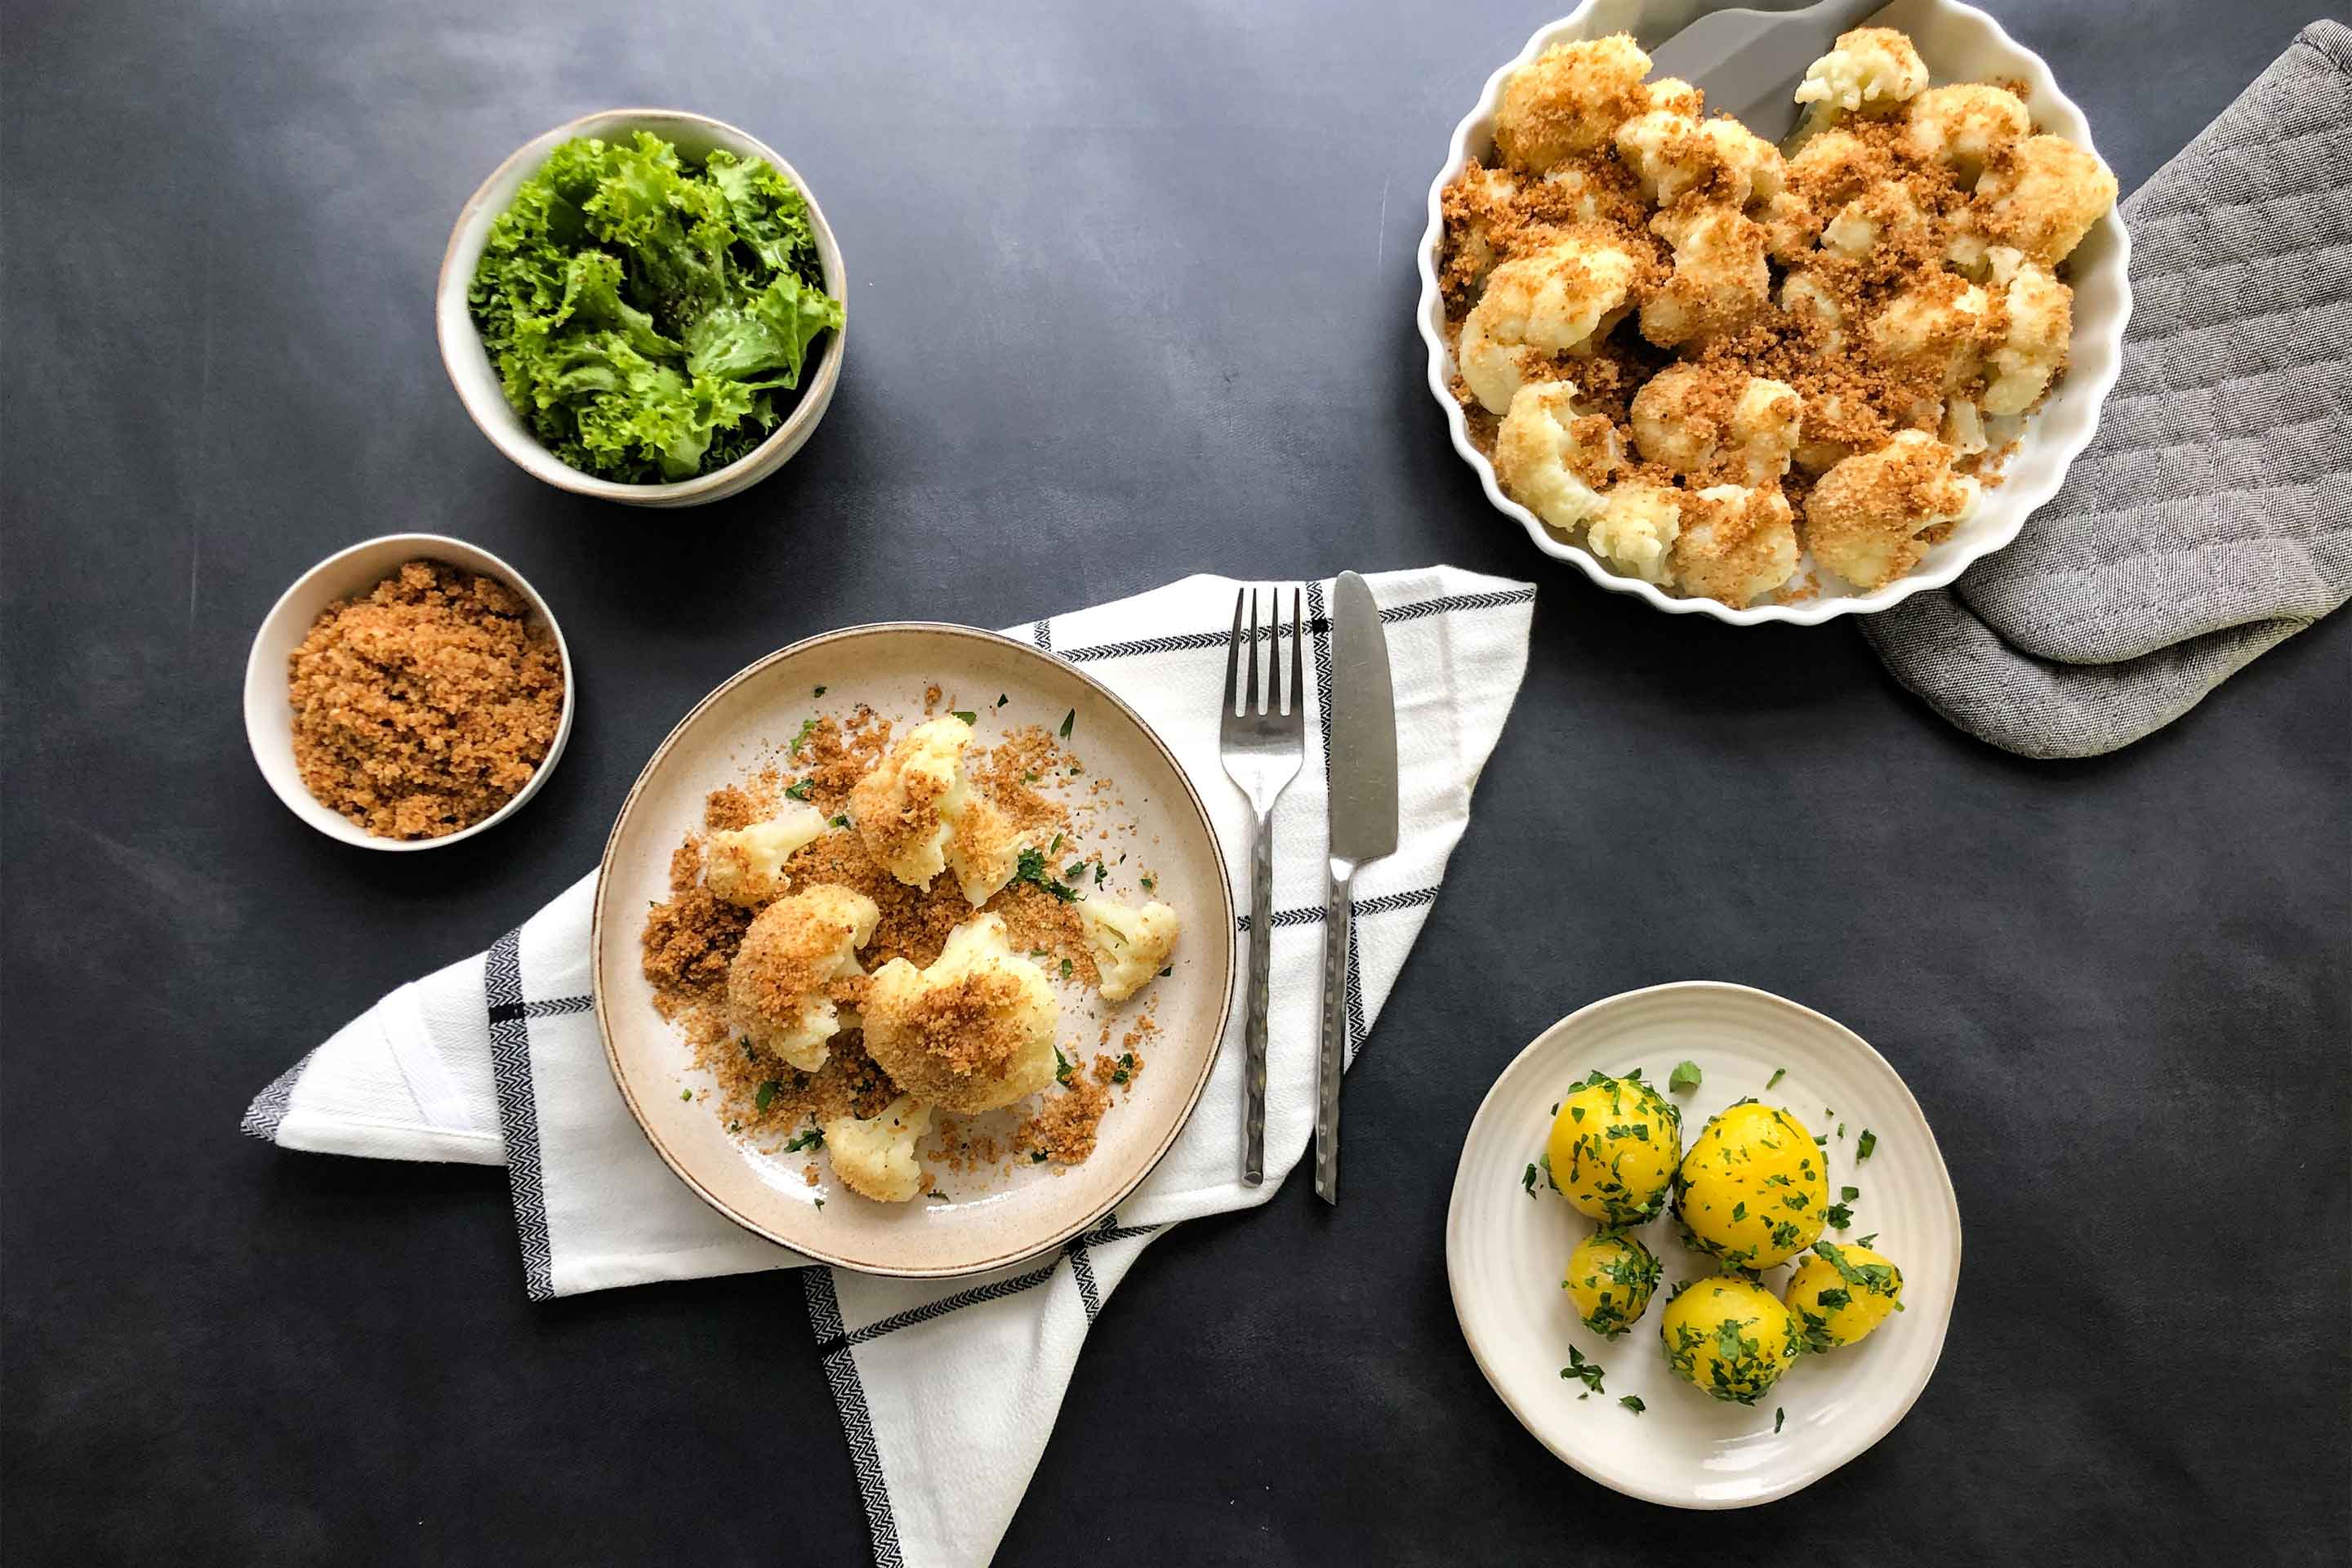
(1131, 298)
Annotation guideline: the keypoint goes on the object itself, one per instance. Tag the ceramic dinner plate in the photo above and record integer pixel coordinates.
(977, 1224)
(1506, 1250)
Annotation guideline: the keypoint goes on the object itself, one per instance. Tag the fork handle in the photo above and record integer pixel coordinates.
(1331, 1056)
(1261, 970)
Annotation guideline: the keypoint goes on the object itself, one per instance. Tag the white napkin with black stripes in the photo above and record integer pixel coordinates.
(947, 1390)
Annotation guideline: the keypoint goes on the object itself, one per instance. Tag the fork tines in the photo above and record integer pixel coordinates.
(1242, 694)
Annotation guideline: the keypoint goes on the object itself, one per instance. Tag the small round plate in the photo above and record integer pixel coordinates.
(1506, 1248)
(1025, 1210)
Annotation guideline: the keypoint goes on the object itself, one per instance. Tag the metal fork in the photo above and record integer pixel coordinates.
(1264, 742)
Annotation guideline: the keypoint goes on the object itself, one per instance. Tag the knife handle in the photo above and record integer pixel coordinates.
(1261, 974)
(1332, 1056)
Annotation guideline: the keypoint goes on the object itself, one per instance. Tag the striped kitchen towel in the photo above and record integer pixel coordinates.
(947, 1390)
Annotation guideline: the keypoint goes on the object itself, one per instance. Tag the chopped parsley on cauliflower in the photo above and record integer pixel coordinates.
(972, 1032)
(919, 816)
(875, 1156)
(746, 864)
(1130, 945)
(795, 949)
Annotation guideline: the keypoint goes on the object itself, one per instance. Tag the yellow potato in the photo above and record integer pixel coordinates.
(1611, 1276)
(1728, 1337)
(1841, 1293)
(1614, 1147)
(1754, 1189)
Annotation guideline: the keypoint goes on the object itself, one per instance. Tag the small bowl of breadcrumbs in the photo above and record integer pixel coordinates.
(408, 692)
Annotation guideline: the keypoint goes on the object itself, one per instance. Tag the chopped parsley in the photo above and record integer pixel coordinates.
(1031, 870)
(1588, 1373)
(820, 1203)
(812, 1139)
(967, 715)
(1527, 1181)
(1167, 972)
(1126, 1070)
(1778, 1074)
(685, 1094)
(1002, 700)
(840, 821)
(768, 1088)
(1071, 873)
(1062, 1068)
(1849, 1194)
(1779, 1416)
(1633, 1401)
(1065, 969)
(818, 692)
(1684, 1075)
(808, 727)
(800, 791)
(1055, 847)
(1101, 872)
(1870, 1240)
(1865, 1146)
(1148, 886)
(1839, 1215)
(1036, 1156)
(1070, 720)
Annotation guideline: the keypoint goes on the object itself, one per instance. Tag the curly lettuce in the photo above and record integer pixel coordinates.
(646, 316)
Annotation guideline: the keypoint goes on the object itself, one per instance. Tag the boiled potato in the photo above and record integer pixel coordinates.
(1754, 1188)
(1729, 1337)
(1841, 1293)
(1614, 1147)
(1611, 1276)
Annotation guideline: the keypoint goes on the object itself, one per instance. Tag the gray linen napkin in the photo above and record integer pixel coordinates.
(2211, 518)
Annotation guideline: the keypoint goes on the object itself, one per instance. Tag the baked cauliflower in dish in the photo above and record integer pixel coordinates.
(875, 1156)
(901, 809)
(1721, 278)
(1867, 514)
(1735, 544)
(1568, 99)
(795, 950)
(1555, 300)
(1882, 301)
(2037, 321)
(972, 1032)
(746, 864)
(2040, 195)
(1130, 945)
(1964, 125)
(1553, 457)
(1870, 70)
(1693, 419)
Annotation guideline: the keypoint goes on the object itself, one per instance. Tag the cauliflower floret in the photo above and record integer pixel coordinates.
(1864, 518)
(1553, 458)
(1569, 98)
(1558, 300)
(983, 846)
(1885, 212)
(1673, 93)
(1792, 226)
(1721, 278)
(875, 1156)
(1693, 419)
(2039, 312)
(1808, 297)
(1636, 529)
(746, 864)
(1471, 204)
(902, 809)
(973, 1031)
(1870, 70)
(1963, 429)
(1964, 125)
(1672, 152)
(1735, 544)
(1834, 167)
(2041, 195)
(1130, 945)
(1940, 323)
(1573, 195)
(797, 947)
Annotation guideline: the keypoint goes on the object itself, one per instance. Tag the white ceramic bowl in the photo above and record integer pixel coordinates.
(1507, 1240)
(476, 379)
(269, 715)
(1958, 42)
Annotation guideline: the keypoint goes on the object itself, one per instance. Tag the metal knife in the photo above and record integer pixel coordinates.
(1364, 829)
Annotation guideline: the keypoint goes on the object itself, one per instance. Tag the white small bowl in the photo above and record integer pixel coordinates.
(476, 379)
(269, 711)
(1958, 42)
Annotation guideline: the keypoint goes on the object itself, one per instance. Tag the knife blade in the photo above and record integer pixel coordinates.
(1363, 763)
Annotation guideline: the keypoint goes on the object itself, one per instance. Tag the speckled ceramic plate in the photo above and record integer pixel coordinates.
(1506, 1247)
(979, 1224)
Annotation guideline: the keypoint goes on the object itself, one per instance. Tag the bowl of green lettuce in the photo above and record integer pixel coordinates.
(646, 306)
